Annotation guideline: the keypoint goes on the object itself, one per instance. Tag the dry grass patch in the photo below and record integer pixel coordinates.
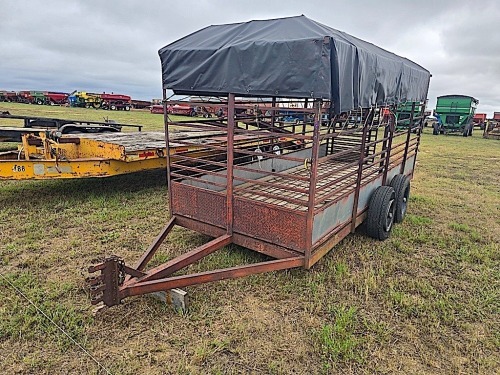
(425, 301)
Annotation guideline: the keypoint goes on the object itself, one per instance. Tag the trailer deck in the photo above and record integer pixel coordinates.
(93, 155)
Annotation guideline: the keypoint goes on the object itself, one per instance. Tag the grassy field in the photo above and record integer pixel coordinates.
(425, 301)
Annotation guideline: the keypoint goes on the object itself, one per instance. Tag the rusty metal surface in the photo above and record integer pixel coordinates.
(272, 224)
(184, 260)
(200, 204)
(210, 276)
(268, 248)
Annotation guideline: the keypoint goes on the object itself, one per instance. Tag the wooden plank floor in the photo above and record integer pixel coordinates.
(137, 141)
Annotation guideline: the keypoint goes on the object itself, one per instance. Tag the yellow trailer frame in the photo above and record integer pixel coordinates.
(41, 157)
(94, 155)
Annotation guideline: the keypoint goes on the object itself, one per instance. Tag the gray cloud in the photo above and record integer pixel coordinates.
(112, 45)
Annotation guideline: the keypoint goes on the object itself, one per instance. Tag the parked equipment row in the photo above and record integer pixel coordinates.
(81, 99)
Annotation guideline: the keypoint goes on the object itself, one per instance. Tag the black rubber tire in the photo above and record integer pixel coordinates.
(380, 218)
(467, 130)
(401, 185)
(435, 129)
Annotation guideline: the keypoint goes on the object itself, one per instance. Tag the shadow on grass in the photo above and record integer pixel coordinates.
(36, 193)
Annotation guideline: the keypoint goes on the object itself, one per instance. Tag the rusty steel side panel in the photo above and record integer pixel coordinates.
(200, 204)
(252, 243)
(270, 223)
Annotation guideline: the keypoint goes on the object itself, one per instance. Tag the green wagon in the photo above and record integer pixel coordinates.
(38, 97)
(405, 118)
(454, 114)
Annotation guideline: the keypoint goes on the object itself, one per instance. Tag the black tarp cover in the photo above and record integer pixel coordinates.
(290, 57)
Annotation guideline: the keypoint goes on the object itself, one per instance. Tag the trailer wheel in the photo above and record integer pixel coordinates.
(127, 108)
(112, 107)
(401, 186)
(39, 101)
(381, 211)
(435, 128)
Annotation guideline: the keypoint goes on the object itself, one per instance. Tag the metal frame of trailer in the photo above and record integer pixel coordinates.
(292, 201)
(317, 152)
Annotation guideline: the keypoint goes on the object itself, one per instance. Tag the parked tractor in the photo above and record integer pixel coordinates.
(84, 99)
(454, 114)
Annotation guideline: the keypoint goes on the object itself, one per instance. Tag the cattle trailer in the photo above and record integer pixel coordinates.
(292, 191)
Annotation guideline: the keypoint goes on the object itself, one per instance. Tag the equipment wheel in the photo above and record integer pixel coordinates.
(127, 108)
(401, 185)
(112, 107)
(381, 212)
(435, 128)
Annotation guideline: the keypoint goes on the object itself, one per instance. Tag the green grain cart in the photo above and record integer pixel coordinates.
(38, 97)
(454, 114)
(404, 116)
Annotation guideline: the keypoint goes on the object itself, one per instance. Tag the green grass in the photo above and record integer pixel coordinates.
(425, 301)
(337, 339)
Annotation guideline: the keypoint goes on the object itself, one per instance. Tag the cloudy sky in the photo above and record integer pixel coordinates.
(93, 45)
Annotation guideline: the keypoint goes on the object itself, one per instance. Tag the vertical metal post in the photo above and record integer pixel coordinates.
(387, 155)
(273, 113)
(167, 156)
(312, 183)
(419, 135)
(403, 164)
(230, 161)
(273, 121)
(384, 143)
(362, 156)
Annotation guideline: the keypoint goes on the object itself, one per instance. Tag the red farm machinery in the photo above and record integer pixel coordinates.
(289, 190)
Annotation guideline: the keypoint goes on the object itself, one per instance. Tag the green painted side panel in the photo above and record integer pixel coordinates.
(456, 112)
(403, 113)
(37, 94)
